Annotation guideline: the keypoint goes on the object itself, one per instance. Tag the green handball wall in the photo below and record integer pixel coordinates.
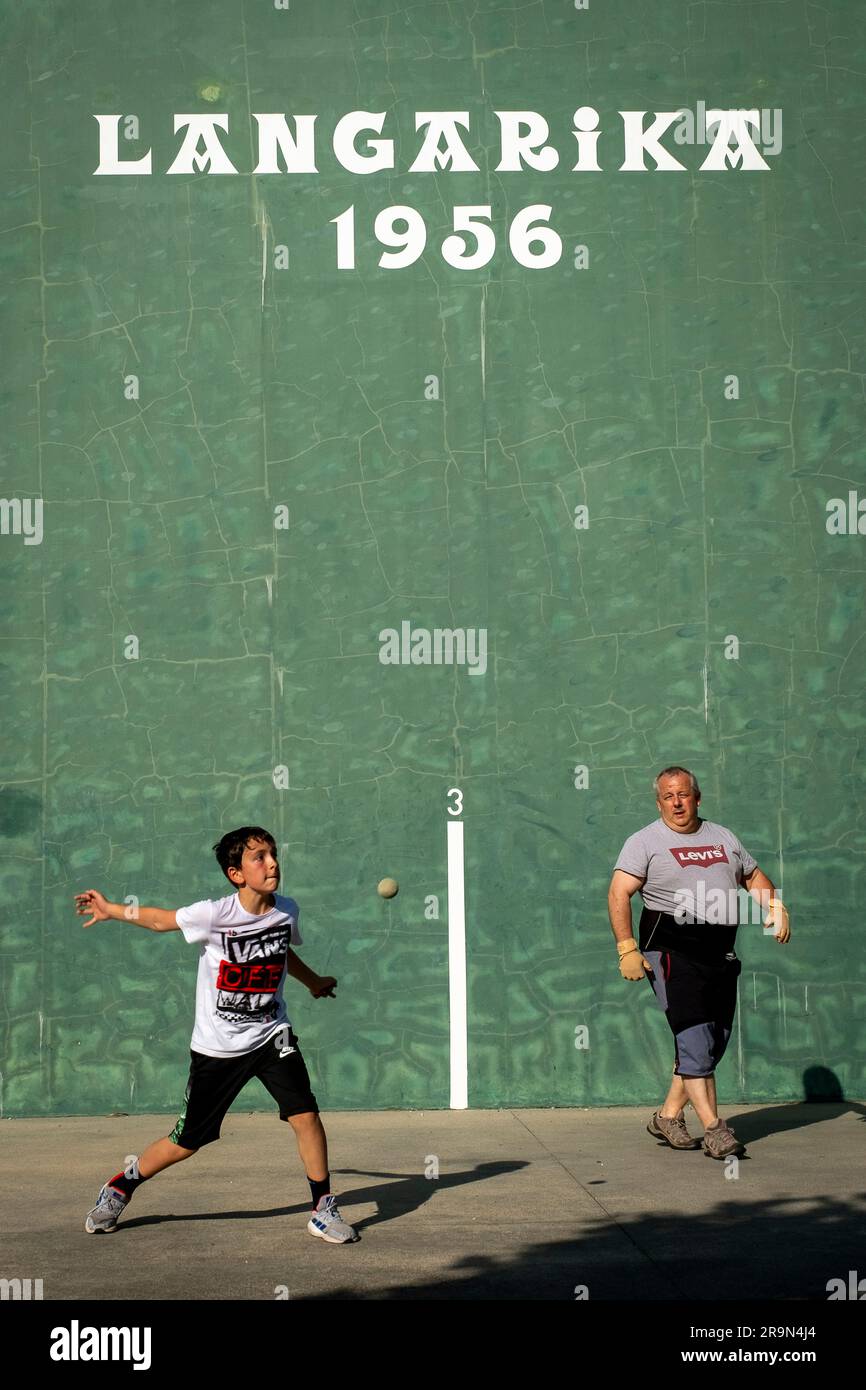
(637, 471)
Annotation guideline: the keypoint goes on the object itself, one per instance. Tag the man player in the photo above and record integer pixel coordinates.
(688, 870)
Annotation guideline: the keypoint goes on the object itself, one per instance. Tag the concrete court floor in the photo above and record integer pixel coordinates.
(528, 1204)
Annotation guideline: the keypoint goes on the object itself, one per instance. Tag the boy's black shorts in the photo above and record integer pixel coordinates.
(214, 1082)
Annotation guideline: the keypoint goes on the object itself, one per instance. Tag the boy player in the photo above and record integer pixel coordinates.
(241, 1027)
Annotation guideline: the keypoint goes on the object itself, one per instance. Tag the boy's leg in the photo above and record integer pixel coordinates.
(312, 1144)
(284, 1075)
(326, 1220)
(119, 1190)
(213, 1084)
(158, 1155)
(161, 1154)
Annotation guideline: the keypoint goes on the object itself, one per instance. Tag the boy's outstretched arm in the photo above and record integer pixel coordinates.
(318, 985)
(154, 918)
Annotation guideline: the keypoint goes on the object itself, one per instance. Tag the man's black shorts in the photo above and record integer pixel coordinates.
(214, 1082)
(699, 998)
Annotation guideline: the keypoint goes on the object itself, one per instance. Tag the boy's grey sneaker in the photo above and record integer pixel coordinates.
(720, 1141)
(327, 1222)
(110, 1204)
(673, 1132)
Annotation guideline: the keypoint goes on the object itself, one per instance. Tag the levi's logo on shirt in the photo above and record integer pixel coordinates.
(700, 854)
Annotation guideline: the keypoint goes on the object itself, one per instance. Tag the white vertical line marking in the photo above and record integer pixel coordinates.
(263, 224)
(483, 336)
(457, 968)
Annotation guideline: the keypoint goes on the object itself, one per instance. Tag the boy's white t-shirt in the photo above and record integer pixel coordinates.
(241, 970)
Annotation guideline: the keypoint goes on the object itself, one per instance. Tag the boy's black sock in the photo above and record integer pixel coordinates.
(127, 1180)
(319, 1189)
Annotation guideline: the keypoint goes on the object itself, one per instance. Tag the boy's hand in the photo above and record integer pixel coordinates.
(325, 985)
(92, 901)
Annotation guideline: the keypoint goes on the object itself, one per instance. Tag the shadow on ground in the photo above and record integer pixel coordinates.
(786, 1249)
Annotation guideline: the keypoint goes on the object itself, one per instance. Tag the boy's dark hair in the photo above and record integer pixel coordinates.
(230, 849)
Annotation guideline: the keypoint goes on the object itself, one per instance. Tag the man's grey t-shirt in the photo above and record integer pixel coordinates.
(693, 878)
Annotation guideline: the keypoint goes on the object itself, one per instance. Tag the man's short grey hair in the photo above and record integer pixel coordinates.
(672, 772)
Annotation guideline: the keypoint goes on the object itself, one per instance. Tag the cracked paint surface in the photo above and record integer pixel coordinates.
(305, 388)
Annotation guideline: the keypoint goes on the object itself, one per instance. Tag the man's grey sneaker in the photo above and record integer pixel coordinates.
(327, 1222)
(673, 1132)
(110, 1204)
(720, 1141)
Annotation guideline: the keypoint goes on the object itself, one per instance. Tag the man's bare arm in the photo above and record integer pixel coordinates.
(760, 887)
(632, 961)
(764, 892)
(622, 889)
